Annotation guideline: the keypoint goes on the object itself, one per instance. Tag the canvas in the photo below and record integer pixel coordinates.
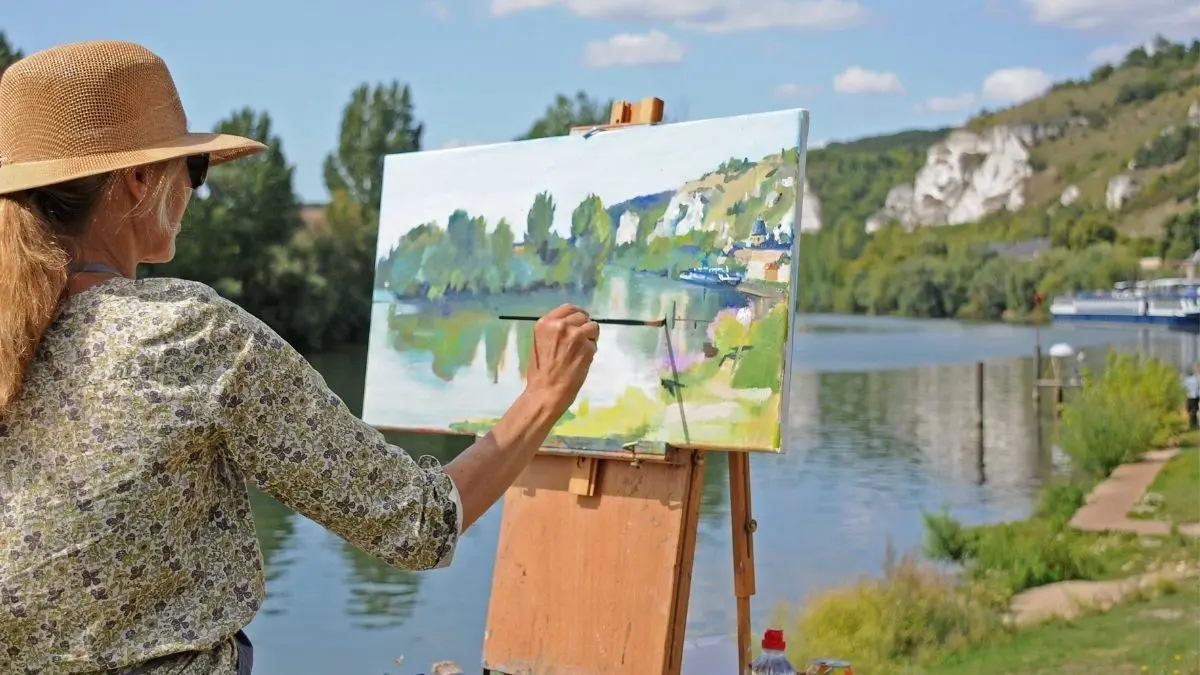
(696, 223)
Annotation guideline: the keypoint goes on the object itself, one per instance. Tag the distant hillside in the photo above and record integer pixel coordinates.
(851, 179)
(1125, 140)
(1136, 122)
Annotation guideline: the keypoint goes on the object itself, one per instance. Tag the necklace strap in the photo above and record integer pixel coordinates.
(94, 268)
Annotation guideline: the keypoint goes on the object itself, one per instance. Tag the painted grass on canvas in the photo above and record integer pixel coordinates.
(692, 222)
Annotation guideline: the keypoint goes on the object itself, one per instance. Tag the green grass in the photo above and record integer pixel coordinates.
(1154, 636)
(1175, 494)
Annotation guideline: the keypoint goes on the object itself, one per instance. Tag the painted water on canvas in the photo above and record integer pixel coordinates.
(694, 222)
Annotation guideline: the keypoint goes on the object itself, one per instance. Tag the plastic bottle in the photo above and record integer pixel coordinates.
(772, 661)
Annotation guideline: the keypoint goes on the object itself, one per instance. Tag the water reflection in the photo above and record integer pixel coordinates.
(435, 368)
(883, 427)
(276, 527)
(380, 596)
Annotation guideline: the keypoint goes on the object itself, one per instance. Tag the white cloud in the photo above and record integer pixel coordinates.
(714, 16)
(856, 80)
(438, 8)
(947, 103)
(1113, 53)
(791, 90)
(633, 49)
(457, 143)
(1134, 18)
(1012, 85)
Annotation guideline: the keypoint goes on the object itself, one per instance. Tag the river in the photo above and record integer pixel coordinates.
(882, 427)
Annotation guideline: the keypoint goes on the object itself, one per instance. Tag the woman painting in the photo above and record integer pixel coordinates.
(133, 411)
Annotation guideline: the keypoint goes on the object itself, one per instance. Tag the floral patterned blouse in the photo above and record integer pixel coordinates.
(125, 527)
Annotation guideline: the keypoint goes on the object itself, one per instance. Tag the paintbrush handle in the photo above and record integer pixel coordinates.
(655, 323)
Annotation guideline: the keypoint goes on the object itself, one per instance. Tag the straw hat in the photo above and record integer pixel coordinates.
(93, 107)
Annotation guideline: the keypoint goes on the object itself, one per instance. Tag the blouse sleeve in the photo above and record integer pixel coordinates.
(297, 441)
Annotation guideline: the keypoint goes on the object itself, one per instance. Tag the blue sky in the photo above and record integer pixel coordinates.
(483, 70)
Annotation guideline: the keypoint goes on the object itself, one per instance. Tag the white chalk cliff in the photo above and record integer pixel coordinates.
(1121, 189)
(627, 228)
(810, 210)
(967, 176)
(1070, 195)
(685, 213)
(691, 209)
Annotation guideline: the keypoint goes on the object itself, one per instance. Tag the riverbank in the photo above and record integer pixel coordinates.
(1172, 497)
(920, 618)
(1154, 633)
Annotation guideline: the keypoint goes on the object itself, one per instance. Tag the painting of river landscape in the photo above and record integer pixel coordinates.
(691, 225)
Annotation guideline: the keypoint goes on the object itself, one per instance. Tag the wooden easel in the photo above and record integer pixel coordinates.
(594, 564)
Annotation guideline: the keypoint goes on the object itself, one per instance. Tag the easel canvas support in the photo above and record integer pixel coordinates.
(594, 562)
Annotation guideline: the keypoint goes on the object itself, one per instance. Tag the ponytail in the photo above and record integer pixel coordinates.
(34, 229)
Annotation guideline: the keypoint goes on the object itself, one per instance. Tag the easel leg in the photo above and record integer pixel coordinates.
(742, 521)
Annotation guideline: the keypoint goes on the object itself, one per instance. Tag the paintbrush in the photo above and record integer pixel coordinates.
(656, 323)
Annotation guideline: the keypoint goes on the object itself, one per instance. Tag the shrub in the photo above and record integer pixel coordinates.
(1153, 380)
(947, 539)
(1011, 557)
(1059, 501)
(1100, 432)
(1133, 406)
(1142, 91)
(1166, 148)
(914, 615)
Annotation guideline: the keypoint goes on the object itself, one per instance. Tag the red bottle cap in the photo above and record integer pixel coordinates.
(773, 640)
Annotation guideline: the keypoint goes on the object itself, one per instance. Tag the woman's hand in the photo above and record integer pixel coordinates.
(564, 344)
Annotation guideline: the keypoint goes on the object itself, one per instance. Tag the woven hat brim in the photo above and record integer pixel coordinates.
(221, 148)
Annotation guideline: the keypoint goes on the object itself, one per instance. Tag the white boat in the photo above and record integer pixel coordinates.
(1169, 302)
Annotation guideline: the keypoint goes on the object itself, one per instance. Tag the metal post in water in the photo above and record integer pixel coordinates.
(979, 395)
(979, 440)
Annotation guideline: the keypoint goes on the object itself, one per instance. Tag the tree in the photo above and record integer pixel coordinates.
(377, 122)
(537, 226)
(1180, 236)
(501, 250)
(8, 53)
(592, 237)
(1077, 232)
(566, 113)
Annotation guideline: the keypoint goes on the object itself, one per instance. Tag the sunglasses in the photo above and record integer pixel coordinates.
(197, 167)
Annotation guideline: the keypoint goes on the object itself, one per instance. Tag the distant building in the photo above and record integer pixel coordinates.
(778, 271)
(1028, 248)
(765, 264)
(759, 234)
(313, 217)
(763, 237)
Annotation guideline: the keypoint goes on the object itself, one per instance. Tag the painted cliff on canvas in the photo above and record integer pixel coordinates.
(693, 222)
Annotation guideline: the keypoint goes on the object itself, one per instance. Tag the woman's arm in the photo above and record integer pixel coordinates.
(564, 343)
(484, 471)
(297, 441)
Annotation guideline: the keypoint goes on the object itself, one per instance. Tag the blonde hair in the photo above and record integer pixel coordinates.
(37, 228)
